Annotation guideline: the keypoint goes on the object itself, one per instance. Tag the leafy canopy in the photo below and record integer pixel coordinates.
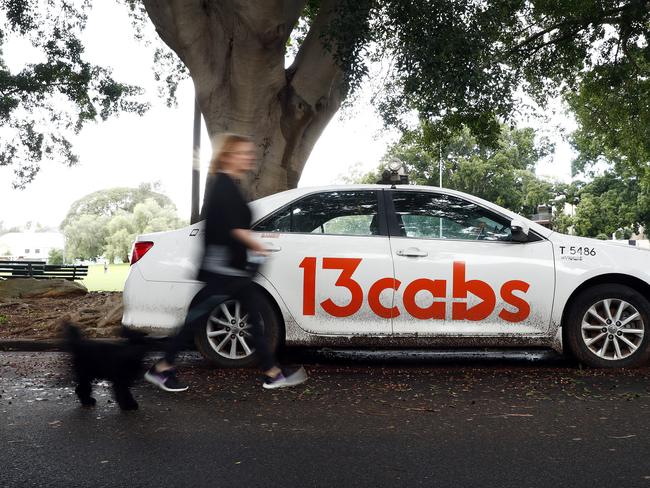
(55, 256)
(503, 173)
(147, 216)
(45, 103)
(111, 231)
(85, 237)
(113, 200)
(465, 62)
(461, 63)
(609, 203)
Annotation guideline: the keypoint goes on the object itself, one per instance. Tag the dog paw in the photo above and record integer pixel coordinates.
(88, 402)
(129, 405)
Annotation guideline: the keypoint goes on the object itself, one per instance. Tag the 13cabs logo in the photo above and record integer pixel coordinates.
(437, 288)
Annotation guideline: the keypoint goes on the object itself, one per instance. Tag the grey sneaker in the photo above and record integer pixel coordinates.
(286, 379)
(165, 380)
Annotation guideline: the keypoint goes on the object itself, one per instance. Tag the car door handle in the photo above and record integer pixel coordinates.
(271, 247)
(412, 252)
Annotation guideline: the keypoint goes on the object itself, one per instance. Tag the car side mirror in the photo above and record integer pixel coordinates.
(519, 230)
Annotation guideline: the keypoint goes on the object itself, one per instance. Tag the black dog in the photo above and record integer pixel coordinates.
(119, 362)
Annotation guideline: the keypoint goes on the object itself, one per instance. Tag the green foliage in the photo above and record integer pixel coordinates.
(119, 242)
(610, 102)
(461, 63)
(301, 29)
(561, 222)
(3, 319)
(45, 103)
(113, 200)
(105, 223)
(147, 216)
(85, 237)
(607, 204)
(501, 173)
(55, 256)
(90, 236)
(614, 132)
(168, 69)
(444, 63)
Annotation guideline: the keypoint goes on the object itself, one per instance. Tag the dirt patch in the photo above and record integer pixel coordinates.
(99, 314)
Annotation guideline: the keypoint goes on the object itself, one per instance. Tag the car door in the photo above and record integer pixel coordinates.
(328, 250)
(459, 272)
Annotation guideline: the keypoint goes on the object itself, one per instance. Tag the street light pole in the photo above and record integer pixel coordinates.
(440, 183)
(196, 163)
(440, 164)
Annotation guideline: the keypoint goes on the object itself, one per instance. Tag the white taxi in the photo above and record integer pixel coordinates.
(402, 267)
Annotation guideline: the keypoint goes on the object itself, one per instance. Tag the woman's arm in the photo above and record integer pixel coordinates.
(246, 238)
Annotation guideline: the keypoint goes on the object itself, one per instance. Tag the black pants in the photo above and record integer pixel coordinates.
(217, 289)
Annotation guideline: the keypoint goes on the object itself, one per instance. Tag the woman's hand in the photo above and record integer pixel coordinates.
(245, 236)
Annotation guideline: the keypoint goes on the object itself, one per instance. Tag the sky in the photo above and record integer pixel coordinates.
(131, 149)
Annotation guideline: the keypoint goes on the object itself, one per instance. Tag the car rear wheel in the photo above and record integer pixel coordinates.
(609, 327)
(226, 339)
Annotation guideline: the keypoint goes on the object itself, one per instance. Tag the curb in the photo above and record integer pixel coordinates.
(36, 345)
(30, 345)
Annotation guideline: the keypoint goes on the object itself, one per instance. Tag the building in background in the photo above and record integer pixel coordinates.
(30, 246)
(543, 216)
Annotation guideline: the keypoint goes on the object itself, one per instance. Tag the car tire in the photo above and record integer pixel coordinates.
(608, 326)
(210, 336)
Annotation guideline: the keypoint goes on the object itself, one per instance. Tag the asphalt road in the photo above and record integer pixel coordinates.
(467, 423)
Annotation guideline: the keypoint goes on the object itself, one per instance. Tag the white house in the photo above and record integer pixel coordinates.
(33, 246)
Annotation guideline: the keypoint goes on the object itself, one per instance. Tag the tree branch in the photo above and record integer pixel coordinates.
(180, 23)
(312, 72)
(314, 92)
(161, 15)
(599, 18)
(270, 20)
(555, 40)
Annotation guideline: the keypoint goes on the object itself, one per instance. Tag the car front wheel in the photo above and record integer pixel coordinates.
(226, 339)
(609, 327)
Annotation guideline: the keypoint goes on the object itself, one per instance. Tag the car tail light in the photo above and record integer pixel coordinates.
(139, 250)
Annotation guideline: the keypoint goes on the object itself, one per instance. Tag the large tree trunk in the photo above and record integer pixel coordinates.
(234, 51)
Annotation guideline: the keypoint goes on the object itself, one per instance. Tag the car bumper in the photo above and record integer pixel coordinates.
(156, 306)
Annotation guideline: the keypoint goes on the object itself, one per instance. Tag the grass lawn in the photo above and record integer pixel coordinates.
(112, 280)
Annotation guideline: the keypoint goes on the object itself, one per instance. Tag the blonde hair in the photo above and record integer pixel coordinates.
(222, 144)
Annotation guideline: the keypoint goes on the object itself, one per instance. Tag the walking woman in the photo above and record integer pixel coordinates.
(228, 243)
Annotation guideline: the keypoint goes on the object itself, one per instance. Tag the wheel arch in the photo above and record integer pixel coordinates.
(610, 278)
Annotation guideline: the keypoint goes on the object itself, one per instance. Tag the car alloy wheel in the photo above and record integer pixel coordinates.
(228, 331)
(612, 329)
(226, 339)
(605, 327)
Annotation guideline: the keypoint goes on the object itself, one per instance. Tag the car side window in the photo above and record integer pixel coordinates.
(278, 222)
(333, 213)
(429, 215)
